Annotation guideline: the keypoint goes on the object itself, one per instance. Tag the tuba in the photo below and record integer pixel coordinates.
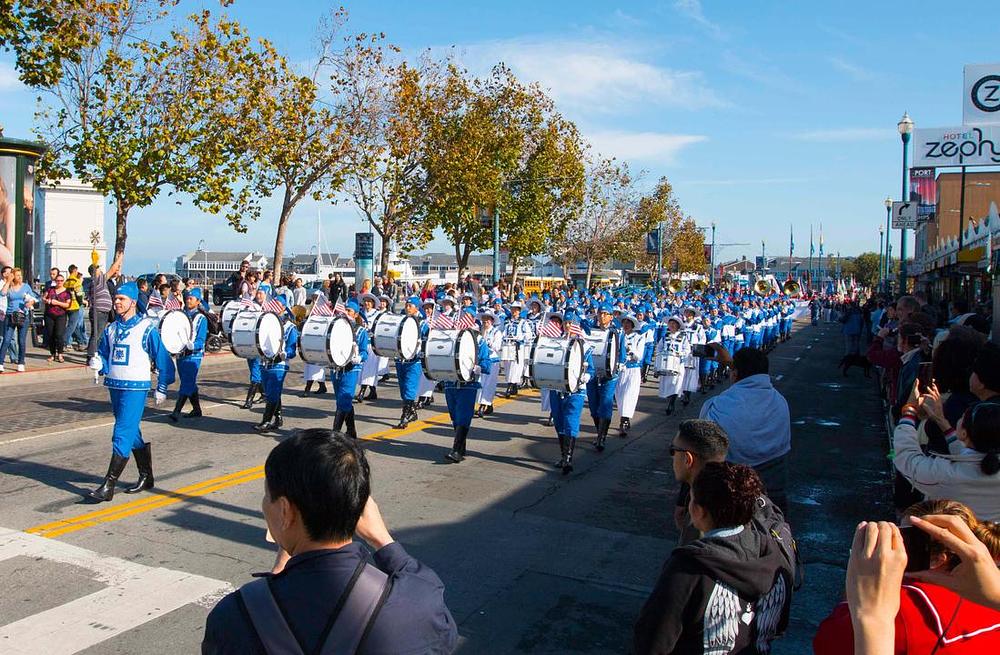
(675, 285)
(790, 288)
(762, 287)
(698, 286)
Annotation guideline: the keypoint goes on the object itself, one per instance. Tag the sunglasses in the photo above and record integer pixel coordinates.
(674, 450)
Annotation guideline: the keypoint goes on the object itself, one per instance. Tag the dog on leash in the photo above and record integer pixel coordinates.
(855, 360)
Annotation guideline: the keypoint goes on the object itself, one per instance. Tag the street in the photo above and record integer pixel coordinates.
(532, 561)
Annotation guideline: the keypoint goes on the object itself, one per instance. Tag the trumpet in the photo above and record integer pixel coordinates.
(790, 288)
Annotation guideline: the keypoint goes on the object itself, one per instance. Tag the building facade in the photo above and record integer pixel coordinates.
(69, 224)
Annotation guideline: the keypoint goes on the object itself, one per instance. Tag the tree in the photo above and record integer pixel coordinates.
(687, 248)
(866, 269)
(658, 208)
(602, 226)
(127, 114)
(385, 177)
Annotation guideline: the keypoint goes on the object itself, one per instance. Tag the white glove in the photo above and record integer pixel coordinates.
(477, 370)
(189, 345)
(95, 363)
(585, 378)
(159, 397)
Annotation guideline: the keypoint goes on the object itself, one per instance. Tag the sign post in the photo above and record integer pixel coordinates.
(364, 258)
(904, 215)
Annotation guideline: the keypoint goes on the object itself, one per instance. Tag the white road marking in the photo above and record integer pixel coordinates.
(135, 595)
(798, 359)
(779, 376)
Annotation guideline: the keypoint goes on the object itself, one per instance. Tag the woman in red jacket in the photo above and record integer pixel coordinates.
(931, 619)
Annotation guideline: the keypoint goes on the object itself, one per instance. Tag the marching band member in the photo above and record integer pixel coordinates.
(493, 338)
(630, 378)
(372, 362)
(706, 365)
(461, 397)
(274, 371)
(516, 332)
(409, 374)
(189, 359)
(314, 372)
(567, 407)
(345, 380)
(648, 330)
(536, 312)
(128, 350)
(425, 392)
(674, 342)
(600, 390)
(695, 336)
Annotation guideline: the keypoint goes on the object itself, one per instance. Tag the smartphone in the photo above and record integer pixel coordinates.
(703, 350)
(917, 544)
(925, 377)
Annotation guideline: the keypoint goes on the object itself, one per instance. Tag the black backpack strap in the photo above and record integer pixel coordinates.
(364, 599)
(267, 619)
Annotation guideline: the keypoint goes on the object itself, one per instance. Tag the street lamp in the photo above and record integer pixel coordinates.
(888, 231)
(905, 126)
(881, 254)
(204, 270)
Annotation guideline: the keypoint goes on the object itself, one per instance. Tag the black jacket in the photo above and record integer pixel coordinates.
(414, 618)
(721, 594)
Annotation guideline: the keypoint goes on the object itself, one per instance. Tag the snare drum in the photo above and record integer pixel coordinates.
(229, 312)
(606, 345)
(668, 363)
(450, 355)
(396, 337)
(257, 334)
(328, 341)
(557, 364)
(508, 350)
(175, 330)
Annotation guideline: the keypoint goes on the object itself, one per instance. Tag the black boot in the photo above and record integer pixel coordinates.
(603, 425)
(265, 420)
(176, 414)
(686, 400)
(671, 403)
(480, 411)
(251, 390)
(372, 393)
(489, 410)
(144, 461)
(623, 427)
(195, 406)
(259, 394)
(457, 453)
(404, 417)
(360, 396)
(548, 421)
(562, 452)
(322, 388)
(106, 491)
(277, 422)
(338, 421)
(597, 423)
(567, 466)
(309, 386)
(352, 431)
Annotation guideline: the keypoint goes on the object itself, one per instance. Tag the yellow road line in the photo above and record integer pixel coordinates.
(160, 499)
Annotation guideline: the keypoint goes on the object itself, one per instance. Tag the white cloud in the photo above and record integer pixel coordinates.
(648, 147)
(8, 78)
(851, 70)
(693, 10)
(593, 75)
(843, 134)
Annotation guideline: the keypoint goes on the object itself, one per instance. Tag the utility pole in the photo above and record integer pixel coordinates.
(659, 254)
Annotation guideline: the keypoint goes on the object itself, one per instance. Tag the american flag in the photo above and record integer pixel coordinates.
(321, 307)
(465, 321)
(550, 329)
(274, 306)
(574, 330)
(340, 308)
(442, 321)
(247, 302)
(155, 301)
(172, 303)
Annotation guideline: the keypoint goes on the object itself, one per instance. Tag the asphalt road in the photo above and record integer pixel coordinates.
(533, 562)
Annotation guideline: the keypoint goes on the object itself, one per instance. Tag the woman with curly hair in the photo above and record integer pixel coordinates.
(730, 590)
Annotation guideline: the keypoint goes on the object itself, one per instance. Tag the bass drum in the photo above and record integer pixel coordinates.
(175, 330)
(556, 364)
(328, 341)
(668, 363)
(256, 335)
(396, 337)
(450, 355)
(606, 346)
(229, 312)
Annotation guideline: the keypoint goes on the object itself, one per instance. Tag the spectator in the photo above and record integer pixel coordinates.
(427, 291)
(755, 418)
(697, 441)
(239, 278)
(338, 289)
(53, 274)
(299, 293)
(985, 379)
(316, 499)
(99, 298)
(951, 366)
(928, 618)
(19, 299)
(74, 316)
(908, 345)
(142, 304)
(727, 592)
(853, 325)
(57, 302)
(970, 473)
(5, 275)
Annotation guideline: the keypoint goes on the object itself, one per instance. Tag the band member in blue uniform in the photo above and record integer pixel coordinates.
(274, 371)
(345, 380)
(408, 374)
(567, 407)
(256, 389)
(128, 350)
(630, 377)
(601, 390)
(461, 397)
(492, 336)
(189, 359)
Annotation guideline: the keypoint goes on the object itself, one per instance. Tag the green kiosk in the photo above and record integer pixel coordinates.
(18, 159)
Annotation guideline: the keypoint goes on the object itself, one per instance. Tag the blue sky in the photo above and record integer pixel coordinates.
(761, 114)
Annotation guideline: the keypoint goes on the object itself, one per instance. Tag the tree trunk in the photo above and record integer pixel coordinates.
(590, 270)
(279, 239)
(121, 229)
(459, 260)
(383, 256)
(513, 260)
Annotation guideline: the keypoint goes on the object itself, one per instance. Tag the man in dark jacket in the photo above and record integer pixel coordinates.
(338, 289)
(316, 499)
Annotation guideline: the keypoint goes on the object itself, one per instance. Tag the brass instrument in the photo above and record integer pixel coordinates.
(762, 287)
(698, 286)
(790, 288)
(301, 314)
(675, 285)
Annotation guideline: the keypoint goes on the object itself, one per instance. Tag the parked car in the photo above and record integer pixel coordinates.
(149, 277)
(223, 292)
